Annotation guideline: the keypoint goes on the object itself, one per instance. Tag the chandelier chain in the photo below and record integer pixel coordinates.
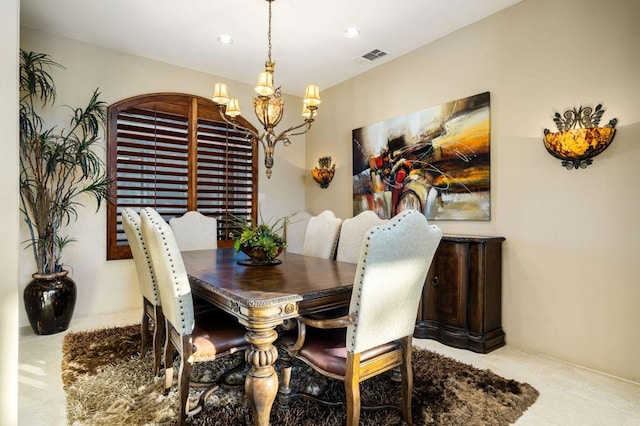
(269, 35)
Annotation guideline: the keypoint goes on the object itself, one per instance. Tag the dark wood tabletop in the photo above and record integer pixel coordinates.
(313, 283)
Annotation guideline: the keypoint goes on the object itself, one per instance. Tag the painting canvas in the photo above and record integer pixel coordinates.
(435, 160)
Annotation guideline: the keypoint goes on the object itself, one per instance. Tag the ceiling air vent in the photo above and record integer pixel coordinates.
(374, 54)
(370, 56)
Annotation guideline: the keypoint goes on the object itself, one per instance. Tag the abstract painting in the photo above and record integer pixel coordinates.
(436, 160)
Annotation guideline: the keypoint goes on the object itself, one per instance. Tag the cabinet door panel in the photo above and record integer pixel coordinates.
(428, 309)
(450, 280)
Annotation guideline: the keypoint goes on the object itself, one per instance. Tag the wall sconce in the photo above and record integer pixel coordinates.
(324, 174)
(579, 138)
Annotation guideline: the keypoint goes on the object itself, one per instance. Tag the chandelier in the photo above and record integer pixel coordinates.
(268, 106)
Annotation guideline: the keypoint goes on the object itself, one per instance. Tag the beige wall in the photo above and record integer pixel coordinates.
(103, 286)
(571, 274)
(9, 242)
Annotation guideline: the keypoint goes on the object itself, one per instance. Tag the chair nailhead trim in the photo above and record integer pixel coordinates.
(175, 278)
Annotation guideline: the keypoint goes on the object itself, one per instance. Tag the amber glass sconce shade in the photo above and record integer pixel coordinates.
(324, 173)
(579, 138)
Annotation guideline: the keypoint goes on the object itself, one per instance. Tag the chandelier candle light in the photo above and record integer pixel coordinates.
(269, 107)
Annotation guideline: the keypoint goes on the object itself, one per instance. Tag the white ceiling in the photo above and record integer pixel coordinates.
(307, 35)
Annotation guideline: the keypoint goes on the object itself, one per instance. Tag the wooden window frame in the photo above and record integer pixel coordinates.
(205, 131)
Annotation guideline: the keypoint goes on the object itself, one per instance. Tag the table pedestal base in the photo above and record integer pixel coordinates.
(261, 384)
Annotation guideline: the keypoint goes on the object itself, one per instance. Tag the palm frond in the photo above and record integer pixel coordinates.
(35, 80)
(56, 166)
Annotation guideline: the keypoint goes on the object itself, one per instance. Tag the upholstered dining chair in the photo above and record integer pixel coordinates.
(321, 236)
(295, 230)
(376, 335)
(151, 307)
(195, 231)
(197, 338)
(352, 232)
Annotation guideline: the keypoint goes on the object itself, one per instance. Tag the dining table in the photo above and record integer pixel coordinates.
(264, 297)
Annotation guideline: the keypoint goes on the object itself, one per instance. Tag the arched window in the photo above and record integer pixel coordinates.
(174, 152)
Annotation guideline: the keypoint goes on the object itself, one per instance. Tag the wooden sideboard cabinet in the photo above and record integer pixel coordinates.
(462, 298)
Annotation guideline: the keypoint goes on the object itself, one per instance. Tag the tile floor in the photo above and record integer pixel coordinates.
(569, 395)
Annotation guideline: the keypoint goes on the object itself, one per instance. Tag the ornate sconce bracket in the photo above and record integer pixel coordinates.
(579, 138)
(324, 173)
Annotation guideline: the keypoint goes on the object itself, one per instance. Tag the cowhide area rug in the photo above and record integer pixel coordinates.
(107, 382)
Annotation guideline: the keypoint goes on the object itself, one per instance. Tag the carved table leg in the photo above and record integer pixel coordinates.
(261, 384)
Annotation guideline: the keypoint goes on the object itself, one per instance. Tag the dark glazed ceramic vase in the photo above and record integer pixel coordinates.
(49, 301)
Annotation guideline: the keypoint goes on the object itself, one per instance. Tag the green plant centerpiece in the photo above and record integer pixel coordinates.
(261, 242)
(57, 168)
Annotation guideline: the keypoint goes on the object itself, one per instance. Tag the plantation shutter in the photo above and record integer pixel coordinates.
(174, 153)
(225, 174)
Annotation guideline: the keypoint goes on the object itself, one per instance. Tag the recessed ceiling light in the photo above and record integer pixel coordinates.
(225, 39)
(352, 32)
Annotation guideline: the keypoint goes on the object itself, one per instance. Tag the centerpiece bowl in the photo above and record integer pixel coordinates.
(259, 257)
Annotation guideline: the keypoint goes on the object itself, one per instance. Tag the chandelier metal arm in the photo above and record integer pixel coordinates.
(233, 123)
(286, 133)
(269, 140)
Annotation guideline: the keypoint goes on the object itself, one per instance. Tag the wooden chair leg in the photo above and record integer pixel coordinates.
(144, 333)
(158, 337)
(352, 388)
(183, 378)
(284, 392)
(407, 381)
(290, 352)
(169, 351)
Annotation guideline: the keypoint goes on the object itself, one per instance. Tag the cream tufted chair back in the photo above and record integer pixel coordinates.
(352, 232)
(393, 265)
(171, 275)
(195, 231)
(151, 307)
(141, 258)
(321, 236)
(295, 231)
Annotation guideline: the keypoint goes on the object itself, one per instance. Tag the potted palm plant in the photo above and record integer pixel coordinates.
(57, 167)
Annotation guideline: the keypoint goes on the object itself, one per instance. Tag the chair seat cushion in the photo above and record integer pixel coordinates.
(326, 349)
(216, 333)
